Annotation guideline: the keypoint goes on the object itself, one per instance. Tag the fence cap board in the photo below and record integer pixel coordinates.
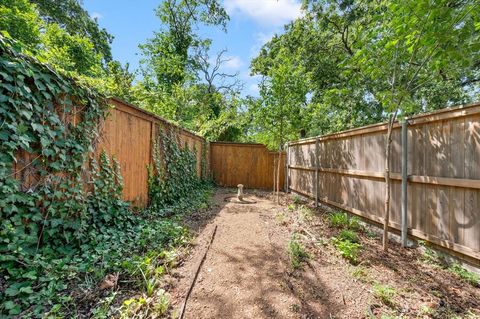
(239, 144)
(438, 115)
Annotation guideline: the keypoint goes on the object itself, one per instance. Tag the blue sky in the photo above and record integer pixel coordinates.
(252, 23)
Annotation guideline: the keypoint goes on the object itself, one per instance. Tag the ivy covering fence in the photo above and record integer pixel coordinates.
(64, 223)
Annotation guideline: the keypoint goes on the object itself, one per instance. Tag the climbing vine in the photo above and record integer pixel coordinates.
(61, 207)
(173, 177)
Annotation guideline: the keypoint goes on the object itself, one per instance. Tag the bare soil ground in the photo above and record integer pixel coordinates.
(247, 272)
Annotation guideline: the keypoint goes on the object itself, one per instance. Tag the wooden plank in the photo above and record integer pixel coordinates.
(457, 195)
(471, 223)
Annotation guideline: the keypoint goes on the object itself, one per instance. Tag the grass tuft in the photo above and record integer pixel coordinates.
(297, 253)
(385, 294)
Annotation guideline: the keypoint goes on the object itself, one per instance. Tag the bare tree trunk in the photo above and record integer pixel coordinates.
(278, 174)
(274, 178)
(388, 181)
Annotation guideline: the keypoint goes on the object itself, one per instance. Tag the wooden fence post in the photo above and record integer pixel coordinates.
(316, 172)
(404, 221)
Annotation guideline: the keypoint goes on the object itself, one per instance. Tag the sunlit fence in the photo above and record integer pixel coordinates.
(346, 170)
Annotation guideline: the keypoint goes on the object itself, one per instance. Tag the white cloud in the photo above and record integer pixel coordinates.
(96, 15)
(233, 63)
(267, 12)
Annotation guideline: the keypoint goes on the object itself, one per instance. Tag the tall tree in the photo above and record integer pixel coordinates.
(168, 59)
(75, 20)
(415, 45)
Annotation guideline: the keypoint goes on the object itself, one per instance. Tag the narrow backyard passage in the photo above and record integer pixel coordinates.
(248, 271)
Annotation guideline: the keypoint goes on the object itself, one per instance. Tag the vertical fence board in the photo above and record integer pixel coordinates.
(249, 164)
(444, 175)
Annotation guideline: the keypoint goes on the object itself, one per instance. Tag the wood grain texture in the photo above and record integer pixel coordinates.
(127, 134)
(443, 182)
(241, 163)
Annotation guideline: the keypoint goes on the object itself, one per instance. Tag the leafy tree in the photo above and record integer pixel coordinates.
(168, 60)
(75, 20)
(20, 19)
(119, 81)
(70, 52)
(415, 45)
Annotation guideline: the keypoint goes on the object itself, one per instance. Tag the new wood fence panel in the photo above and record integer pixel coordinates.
(129, 134)
(242, 163)
(443, 168)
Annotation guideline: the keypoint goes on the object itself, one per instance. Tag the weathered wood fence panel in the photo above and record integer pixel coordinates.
(128, 134)
(242, 163)
(443, 175)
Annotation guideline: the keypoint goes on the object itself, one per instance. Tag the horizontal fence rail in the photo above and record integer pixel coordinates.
(245, 163)
(346, 170)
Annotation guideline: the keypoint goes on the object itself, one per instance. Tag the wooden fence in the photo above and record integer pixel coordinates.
(346, 170)
(249, 164)
(128, 134)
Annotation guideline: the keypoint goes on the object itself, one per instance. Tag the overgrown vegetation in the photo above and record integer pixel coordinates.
(64, 224)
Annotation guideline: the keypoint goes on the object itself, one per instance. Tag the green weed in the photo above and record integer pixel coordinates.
(385, 294)
(297, 253)
(347, 249)
(470, 277)
(342, 220)
(348, 235)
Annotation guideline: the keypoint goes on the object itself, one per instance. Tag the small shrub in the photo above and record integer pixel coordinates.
(342, 220)
(338, 220)
(297, 253)
(347, 249)
(385, 294)
(349, 235)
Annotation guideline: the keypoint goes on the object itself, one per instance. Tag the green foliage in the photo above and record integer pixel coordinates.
(349, 235)
(385, 294)
(168, 61)
(174, 175)
(353, 62)
(72, 53)
(297, 253)
(20, 19)
(343, 220)
(349, 250)
(470, 277)
(77, 22)
(64, 221)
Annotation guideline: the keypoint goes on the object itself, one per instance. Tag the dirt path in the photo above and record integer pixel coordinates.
(242, 274)
(246, 273)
